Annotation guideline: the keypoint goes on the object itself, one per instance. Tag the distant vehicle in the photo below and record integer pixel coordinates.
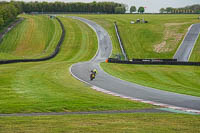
(141, 21)
(138, 21)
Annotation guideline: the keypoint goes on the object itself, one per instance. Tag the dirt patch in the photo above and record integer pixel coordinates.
(175, 24)
(159, 47)
(171, 38)
(26, 37)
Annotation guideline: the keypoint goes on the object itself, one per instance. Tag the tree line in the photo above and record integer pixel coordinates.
(94, 7)
(139, 10)
(186, 10)
(10, 10)
(8, 13)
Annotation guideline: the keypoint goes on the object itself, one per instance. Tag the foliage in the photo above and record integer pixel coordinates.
(8, 13)
(133, 9)
(187, 9)
(141, 9)
(162, 10)
(169, 9)
(94, 7)
(195, 8)
(120, 10)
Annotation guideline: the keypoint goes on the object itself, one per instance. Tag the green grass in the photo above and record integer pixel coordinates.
(49, 87)
(140, 41)
(144, 40)
(106, 123)
(35, 37)
(195, 56)
(179, 79)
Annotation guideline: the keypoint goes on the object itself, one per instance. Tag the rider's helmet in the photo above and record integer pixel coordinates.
(95, 70)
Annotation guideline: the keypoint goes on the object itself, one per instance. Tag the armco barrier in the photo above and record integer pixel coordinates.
(156, 60)
(111, 60)
(120, 42)
(56, 51)
(10, 27)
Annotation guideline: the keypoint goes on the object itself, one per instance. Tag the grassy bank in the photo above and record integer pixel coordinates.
(118, 123)
(34, 37)
(157, 39)
(195, 56)
(49, 87)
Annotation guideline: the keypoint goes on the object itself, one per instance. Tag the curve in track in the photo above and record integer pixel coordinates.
(185, 49)
(114, 86)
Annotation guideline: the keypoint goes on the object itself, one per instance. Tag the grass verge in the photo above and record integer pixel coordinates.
(118, 123)
(179, 79)
(195, 56)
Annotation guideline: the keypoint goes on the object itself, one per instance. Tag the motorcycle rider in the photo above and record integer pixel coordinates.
(93, 74)
(95, 71)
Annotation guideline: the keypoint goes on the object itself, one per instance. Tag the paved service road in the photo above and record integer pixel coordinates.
(110, 83)
(184, 51)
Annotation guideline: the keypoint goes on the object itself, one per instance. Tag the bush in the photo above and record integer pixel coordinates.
(120, 10)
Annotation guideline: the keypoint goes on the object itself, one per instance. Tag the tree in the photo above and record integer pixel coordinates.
(169, 9)
(141, 9)
(126, 6)
(162, 10)
(1, 21)
(28, 7)
(198, 11)
(133, 9)
(120, 10)
(8, 12)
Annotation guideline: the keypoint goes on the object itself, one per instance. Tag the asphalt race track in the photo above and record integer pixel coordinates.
(184, 51)
(107, 82)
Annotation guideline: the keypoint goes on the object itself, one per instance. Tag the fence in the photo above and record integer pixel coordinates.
(10, 27)
(112, 60)
(120, 42)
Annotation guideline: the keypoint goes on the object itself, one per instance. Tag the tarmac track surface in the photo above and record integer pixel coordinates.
(184, 51)
(114, 85)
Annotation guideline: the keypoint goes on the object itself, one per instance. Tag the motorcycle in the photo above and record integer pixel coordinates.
(92, 76)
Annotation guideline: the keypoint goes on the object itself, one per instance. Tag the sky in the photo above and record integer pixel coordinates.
(152, 6)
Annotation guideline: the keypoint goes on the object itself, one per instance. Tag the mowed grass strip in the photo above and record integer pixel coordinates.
(159, 38)
(179, 79)
(106, 123)
(36, 36)
(49, 87)
(195, 56)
